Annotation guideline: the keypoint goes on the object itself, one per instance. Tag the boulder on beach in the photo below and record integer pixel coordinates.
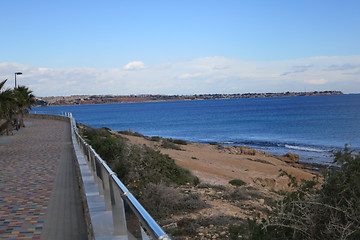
(290, 158)
(245, 150)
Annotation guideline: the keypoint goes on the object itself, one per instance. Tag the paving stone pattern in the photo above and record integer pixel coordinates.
(29, 163)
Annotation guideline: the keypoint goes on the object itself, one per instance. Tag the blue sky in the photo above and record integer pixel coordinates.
(181, 47)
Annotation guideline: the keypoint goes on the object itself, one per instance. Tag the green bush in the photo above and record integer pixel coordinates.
(130, 133)
(180, 142)
(188, 226)
(212, 186)
(106, 128)
(170, 145)
(237, 182)
(136, 134)
(185, 227)
(136, 165)
(161, 201)
(125, 132)
(155, 139)
(237, 194)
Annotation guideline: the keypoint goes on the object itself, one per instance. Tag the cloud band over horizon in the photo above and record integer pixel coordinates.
(196, 76)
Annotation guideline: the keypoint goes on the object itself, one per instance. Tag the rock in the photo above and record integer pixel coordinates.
(170, 226)
(265, 182)
(222, 233)
(290, 158)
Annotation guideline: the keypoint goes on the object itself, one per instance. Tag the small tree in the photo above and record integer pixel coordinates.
(8, 106)
(24, 100)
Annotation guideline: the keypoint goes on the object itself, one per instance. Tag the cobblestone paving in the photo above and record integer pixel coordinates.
(28, 163)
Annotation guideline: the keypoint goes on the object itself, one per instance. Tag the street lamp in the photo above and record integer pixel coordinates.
(17, 73)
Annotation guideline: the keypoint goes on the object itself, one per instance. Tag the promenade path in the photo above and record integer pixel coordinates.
(39, 195)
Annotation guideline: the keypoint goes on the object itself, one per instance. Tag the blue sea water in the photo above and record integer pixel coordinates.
(312, 127)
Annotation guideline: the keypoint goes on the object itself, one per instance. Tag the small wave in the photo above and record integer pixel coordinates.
(227, 143)
(306, 149)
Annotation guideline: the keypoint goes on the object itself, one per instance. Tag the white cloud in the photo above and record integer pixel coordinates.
(202, 75)
(190, 75)
(317, 81)
(135, 65)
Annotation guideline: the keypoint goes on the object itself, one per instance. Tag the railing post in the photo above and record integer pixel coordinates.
(92, 161)
(106, 188)
(118, 209)
(144, 236)
(98, 175)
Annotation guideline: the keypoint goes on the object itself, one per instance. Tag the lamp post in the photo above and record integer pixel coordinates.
(17, 73)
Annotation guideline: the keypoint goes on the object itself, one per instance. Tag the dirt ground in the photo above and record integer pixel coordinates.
(215, 166)
(218, 165)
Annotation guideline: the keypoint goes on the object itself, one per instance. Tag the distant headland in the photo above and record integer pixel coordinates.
(101, 99)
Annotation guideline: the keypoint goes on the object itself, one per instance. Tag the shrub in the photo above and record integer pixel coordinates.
(136, 165)
(185, 226)
(188, 226)
(235, 231)
(237, 182)
(130, 133)
(155, 139)
(192, 202)
(329, 212)
(237, 194)
(170, 145)
(178, 141)
(161, 201)
(110, 147)
(262, 161)
(215, 187)
(152, 166)
(136, 134)
(106, 128)
(125, 132)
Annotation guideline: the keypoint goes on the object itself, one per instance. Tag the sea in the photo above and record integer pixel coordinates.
(312, 126)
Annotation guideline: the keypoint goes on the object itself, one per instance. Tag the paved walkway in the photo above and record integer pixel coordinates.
(39, 197)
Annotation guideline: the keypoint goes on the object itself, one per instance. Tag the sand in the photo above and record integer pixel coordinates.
(218, 165)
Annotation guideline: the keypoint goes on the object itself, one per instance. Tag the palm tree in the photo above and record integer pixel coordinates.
(8, 106)
(24, 100)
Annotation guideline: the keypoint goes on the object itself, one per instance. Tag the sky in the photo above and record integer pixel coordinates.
(180, 46)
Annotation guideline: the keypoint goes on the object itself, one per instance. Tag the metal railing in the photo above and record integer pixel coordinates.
(118, 198)
(129, 216)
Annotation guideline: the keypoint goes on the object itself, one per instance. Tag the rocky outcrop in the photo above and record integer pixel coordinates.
(244, 150)
(290, 158)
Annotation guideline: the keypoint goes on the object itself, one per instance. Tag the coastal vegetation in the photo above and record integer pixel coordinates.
(136, 165)
(237, 182)
(324, 207)
(315, 210)
(14, 104)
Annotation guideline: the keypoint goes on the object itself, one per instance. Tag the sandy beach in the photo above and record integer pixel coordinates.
(218, 165)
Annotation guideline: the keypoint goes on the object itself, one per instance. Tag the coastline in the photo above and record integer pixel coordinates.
(216, 164)
(105, 99)
(277, 125)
